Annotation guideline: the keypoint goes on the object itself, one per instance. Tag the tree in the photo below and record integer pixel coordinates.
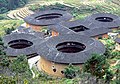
(21, 68)
(6, 5)
(20, 64)
(4, 60)
(9, 30)
(71, 71)
(97, 65)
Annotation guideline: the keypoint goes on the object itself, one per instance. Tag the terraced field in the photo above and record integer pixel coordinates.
(23, 12)
(19, 13)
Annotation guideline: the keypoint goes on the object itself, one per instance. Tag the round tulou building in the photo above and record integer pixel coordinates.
(105, 20)
(43, 19)
(21, 44)
(58, 52)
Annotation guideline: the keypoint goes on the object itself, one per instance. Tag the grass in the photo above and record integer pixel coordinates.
(4, 24)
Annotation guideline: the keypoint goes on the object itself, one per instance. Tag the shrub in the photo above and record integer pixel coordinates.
(96, 65)
(35, 7)
(9, 30)
(7, 80)
(115, 53)
(20, 64)
(3, 10)
(71, 71)
(4, 61)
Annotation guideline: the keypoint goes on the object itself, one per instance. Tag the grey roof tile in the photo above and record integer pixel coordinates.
(98, 24)
(117, 40)
(26, 51)
(95, 32)
(64, 16)
(52, 54)
(61, 29)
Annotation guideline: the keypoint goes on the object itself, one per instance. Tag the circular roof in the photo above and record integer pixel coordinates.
(49, 17)
(106, 20)
(49, 51)
(10, 51)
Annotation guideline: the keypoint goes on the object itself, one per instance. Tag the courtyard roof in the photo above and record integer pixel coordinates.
(106, 20)
(17, 36)
(49, 17)
(49, 51)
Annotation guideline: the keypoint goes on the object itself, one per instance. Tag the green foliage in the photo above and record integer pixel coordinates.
(7, 80)
(44, 76)
(22, 73)
(9, 30)
(35, 7)
(116, 68)
(69, 81)
(110, 46)
(3, 10)
(108, 75)
(71, 71)
(5, 24)
(96, 65)
(4, 61)
(6, 5)
(20, 64)
(111, 54)
(3, 17)
(115, 54)
(21, 68)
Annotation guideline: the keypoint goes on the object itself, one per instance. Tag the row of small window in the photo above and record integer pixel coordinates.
(54, 70)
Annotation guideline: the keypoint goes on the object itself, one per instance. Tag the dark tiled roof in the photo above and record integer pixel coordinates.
(98, 24)
(45, 22)
(61, 29)
(117, 40)
(48, 49)
(39, 34)
(90, 32)
(24, 29)
(95, 32)
(20, 28)
(29, 31)
(70, 24)
(26, 51)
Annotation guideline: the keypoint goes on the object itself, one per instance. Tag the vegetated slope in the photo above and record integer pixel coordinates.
(5, 24)
(23, 12)
(6, 5)
(80, 9)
